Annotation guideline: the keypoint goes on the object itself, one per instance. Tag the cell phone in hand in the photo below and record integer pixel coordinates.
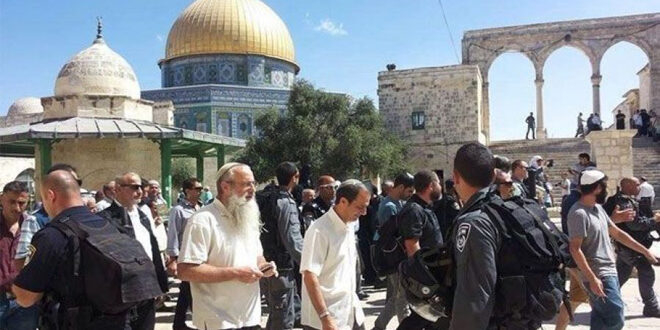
(266, 267)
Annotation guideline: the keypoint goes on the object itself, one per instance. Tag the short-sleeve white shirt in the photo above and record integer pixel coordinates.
(329, 252)
(209, 239)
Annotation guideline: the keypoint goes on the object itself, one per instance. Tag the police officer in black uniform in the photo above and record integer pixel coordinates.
(326, 187)
(640, 229)
(48, 270)
(476, 241)
(419, 228)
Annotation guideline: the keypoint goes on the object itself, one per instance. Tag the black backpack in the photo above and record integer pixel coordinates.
(111, 271)
(271, 242)
(531, 262)
(388, 251)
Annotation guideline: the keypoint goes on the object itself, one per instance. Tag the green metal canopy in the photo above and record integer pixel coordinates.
(20, 141)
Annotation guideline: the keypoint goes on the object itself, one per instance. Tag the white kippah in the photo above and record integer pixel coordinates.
(224, 169)
(590, 177)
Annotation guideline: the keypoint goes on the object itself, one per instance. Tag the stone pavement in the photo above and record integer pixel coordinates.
(375, 303)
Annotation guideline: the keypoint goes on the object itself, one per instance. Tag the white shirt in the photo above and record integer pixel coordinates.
(159, 231)
(209, 239)
(329, 252)
(646, 190)
(141, 233)
(103, 204)
(565, 187)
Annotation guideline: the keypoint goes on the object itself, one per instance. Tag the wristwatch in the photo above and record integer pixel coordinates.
(324, 314)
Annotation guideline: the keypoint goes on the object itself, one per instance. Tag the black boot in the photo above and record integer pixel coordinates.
(651, 311)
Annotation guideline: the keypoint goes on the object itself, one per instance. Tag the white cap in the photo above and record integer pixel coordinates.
(590, 177)
(224, 169)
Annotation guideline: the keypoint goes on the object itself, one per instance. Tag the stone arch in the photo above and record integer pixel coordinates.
(627, 79)
(640, 43)
(531, 56)
(581, 46)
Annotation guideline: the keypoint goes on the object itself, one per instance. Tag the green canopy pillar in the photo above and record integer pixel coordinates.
(45, 155)
(220, 155)
(166, 169)
(200, 167)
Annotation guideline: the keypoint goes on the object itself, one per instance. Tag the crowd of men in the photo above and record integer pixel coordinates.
(306, 251)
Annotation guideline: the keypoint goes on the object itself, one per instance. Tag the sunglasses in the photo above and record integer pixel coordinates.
(132, 186)
(198, 188)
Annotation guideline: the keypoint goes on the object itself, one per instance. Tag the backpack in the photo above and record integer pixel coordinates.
(111, 271)
(530, 263)
(270, 236)
(388, 251)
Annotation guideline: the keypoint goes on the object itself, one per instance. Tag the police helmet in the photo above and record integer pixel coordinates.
(426, 281)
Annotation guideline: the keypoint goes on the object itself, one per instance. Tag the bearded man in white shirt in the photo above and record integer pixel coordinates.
(328, 263)
(221, 255)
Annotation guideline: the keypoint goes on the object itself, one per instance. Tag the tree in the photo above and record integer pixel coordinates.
(327, 131)
(182, 169)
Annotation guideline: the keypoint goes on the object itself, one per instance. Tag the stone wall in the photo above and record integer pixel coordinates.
(100, 160)
(448, 99)
(645, 88)
(613, 152)
(99, 106)
(12, 167)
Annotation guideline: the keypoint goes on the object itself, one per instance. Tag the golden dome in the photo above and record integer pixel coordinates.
(230, 27)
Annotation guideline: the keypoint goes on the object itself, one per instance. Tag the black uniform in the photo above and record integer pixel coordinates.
(476, 242)
(313, 211)
(418, 221)
(49, 270)
(639, 229)
(446, 209)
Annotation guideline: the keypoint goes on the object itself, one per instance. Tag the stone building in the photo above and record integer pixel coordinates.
(435, 110)
(97, 122)
(22, 111)
(225, 61)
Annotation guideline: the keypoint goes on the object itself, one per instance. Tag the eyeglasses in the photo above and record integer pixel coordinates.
(132, 186)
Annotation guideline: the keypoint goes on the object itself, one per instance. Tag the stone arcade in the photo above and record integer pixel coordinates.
(435, 110)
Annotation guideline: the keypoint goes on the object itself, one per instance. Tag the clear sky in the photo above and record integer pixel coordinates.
(341, 45)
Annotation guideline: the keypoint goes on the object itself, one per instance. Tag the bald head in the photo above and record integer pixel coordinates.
(325, 179)
(630, 186)
(61, 182)
(60, 191)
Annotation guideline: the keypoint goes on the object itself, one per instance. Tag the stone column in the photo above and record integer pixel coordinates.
(612, 151)
(540, 128)
(485, 110)
(595, 84)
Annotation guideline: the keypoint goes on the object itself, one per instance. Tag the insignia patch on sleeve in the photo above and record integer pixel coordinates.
(31, 251)
(462, 235)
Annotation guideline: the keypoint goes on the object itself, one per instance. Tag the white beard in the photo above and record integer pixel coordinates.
(244, 216)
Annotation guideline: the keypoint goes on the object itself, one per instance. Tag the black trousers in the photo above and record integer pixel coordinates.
(182, 304)
(143, 316)
(530, 129)
(625, 262)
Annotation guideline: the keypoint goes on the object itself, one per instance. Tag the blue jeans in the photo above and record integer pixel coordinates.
(15, 317)
(607, 313)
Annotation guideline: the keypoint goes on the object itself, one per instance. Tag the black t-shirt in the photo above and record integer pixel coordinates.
(417, 220)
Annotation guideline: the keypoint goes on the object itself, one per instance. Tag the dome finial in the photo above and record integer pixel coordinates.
(99, 27)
